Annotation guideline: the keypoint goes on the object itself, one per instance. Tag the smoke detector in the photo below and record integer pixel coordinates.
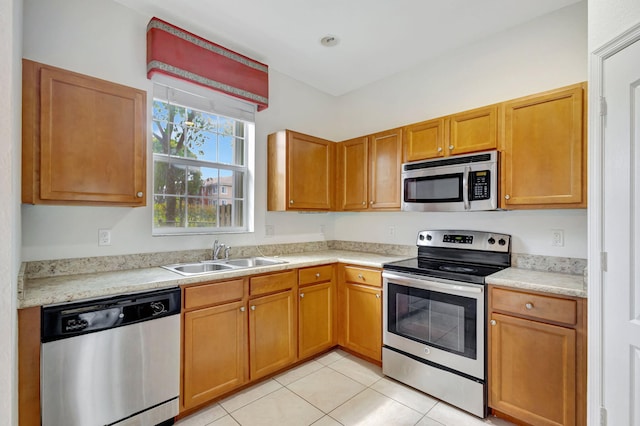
(329, 41)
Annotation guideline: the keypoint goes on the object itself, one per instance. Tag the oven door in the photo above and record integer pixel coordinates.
(436, 320)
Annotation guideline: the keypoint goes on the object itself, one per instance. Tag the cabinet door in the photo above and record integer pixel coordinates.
(543, 160)
(353, 172)
(425, 140)
(532, 371)
(272, 333)
(310, 172)
(385, 157)
(316, 319)
(215, 348)
(84, 140)
(474, 130)
(362, 320)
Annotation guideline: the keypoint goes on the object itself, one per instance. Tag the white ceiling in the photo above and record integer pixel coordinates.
(377, 38)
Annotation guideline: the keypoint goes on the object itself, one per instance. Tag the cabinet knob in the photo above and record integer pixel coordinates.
(377, 295)
(360, 277)
(439, 149)
(242, 309)
(528, 305)
(318, 275)
(290, 201)
(492, 322)
(301, 295)
(364, 203)
(451, 147)
(370, 202)
(253, 307)
(139, 194)
(506, 197)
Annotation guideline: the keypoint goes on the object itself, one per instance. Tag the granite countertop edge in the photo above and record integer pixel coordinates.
(542, 281)
(69, 288)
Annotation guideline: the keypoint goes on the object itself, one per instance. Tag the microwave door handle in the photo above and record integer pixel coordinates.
(465, 187)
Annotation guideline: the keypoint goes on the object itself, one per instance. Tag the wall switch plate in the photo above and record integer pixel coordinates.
(557, 238)
(104, 237)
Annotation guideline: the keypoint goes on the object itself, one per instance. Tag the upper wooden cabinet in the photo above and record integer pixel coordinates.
(368, 176)
(544, 154)
(83, 139)
(468, 131)
(301, 172)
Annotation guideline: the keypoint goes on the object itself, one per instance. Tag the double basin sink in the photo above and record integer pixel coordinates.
(212, 266)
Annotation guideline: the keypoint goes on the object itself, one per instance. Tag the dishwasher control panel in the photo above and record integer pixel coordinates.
(72, 319)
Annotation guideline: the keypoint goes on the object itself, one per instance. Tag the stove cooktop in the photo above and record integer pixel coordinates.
(455, 271)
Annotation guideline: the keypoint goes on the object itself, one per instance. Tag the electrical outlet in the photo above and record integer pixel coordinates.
(269, 231)
(104, 237)
(557, 238)
(391, 232)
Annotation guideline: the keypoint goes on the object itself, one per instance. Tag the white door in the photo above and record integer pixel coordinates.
(621, 237)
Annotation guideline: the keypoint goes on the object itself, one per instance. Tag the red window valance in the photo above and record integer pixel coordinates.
(179, 53)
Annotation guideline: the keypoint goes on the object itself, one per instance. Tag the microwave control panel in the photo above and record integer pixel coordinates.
(480, 185)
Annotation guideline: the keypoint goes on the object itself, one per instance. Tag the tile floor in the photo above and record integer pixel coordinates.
(333, 389)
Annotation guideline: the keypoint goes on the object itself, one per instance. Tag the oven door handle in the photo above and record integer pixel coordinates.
(429, 284)
(465, 187)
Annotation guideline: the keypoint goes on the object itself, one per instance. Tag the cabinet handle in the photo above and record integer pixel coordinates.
(528, 305)
(377, 296)
(492, 322)
(301, 295)
(253, 307)
(451, 147)
(290, 201)
(242, 309)
(318, 275)
(506, 197)
(360, 276)
(139, 194)
(371, 202)
(364, 203)
(440, 149)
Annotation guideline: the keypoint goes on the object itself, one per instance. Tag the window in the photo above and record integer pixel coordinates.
(197, 150)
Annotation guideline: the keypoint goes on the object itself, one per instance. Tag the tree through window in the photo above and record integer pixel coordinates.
(199, 170)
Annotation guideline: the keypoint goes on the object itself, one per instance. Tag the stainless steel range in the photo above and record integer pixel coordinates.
(434, 312)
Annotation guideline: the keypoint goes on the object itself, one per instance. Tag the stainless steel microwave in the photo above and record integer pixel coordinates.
(460, 183)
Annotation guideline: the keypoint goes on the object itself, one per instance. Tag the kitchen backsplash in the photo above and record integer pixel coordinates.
(59, 267)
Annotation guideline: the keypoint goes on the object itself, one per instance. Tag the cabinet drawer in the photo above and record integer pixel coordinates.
(270, 283)
(214, 293)
(357, 275)
(315, 274)
(538, 306)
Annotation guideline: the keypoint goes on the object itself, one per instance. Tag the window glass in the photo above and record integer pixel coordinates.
(199, 169)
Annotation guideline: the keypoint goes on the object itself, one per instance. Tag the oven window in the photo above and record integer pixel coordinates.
(433, 189)
(437, 319)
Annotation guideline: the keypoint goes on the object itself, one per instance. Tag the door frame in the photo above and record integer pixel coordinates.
(595, 214)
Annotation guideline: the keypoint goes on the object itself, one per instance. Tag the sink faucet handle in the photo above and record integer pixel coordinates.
(226, 252)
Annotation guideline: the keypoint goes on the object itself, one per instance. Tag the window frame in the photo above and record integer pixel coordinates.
(207, 101)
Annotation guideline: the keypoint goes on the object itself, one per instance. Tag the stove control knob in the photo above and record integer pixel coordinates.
(502, 241)
(492, 240)
(421, 237)
(429, 237)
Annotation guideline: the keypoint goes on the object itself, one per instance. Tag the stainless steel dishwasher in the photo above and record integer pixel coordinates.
(113, 361)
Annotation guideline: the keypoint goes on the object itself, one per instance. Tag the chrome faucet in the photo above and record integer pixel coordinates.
(226, 252)
(216, 249)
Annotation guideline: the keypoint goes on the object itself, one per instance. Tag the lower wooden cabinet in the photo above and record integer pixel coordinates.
(215, 352)
(272, 333)
(537, 357)
(316, 310)
(361, 311)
